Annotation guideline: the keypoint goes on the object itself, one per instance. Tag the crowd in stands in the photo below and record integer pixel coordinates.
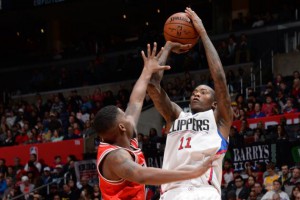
(18, 181)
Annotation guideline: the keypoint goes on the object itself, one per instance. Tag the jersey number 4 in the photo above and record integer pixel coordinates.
(185, 143)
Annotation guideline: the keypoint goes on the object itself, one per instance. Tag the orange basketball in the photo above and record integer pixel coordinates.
(179, 28)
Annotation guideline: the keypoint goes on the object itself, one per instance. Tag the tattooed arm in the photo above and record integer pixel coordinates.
(121, 165)
(223, 112)
(138, 93)
(168, 109)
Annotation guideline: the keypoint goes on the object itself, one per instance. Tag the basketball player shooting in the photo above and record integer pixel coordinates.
(192, 137)
(120, 163)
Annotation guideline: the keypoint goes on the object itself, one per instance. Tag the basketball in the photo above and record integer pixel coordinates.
(179, 28)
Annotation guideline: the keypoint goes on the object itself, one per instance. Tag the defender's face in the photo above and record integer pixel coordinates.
(201, 99)
(128, 124)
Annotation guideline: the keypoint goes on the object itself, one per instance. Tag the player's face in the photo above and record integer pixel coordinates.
(201, 99)
(129, 125)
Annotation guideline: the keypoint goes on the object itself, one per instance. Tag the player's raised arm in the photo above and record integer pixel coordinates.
(223, 110)
(139, 90)
(123, 166)
(168, 109)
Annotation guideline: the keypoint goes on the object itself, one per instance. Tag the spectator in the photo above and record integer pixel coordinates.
(71, 135)
(54, 123)
(9, 186)
(73, 187)
(96, 192)
(17, 164)
(245, 131)
(85, 187)
(240, 190)
(252, 196)
(3, 184)
(33, 160)
(227, 173)
(56, 136)
(272, 175)
(281, 133)
(26, 187)
(292, 181)
(3, 167)
(11, 173)
(259, 191)
(46, 176)
(243, 50)
(250, 108)
(258, 135)
(250, 182)
(67, 193)
(231, 50)
(236, 140)
(285, 175)
(22, 137)
(289, 107)
(269, 108)
(57, 106)
(296, 88)
(276, 189)
(236, 111)
(9, 139)
(257, 112)
(295, 192)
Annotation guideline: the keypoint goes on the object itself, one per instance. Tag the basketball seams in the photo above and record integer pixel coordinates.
(185, 24)
(180, 38)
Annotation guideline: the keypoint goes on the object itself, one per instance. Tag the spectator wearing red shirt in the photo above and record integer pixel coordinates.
(250, 108)
(269, 108)
(21, 138)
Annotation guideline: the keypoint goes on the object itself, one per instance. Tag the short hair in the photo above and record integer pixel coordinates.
(277, 181)
(105, 119)
(271, 166)
(239, 177)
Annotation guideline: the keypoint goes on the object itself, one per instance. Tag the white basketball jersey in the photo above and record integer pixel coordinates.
(190, 141)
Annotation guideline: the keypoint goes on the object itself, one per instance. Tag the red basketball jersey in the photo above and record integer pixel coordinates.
(121, 189)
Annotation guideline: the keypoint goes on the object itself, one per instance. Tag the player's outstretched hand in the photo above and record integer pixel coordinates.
(195, 20)
(151, 60)
(207, 164)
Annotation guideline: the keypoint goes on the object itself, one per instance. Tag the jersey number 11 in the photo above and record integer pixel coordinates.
(187, 143)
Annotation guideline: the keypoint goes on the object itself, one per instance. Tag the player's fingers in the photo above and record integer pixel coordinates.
(214, 157)
(148, 50)
(154, 49)
(166, 67)
(186, 46)
(160, 52)
(143, 55)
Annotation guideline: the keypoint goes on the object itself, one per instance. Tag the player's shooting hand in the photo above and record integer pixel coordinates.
(195, 20)
(151, 60)
(178, 48)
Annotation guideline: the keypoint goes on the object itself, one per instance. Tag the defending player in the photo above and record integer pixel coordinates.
(121, 165)
(194, 136)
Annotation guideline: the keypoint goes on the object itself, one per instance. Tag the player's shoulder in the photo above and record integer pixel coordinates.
(118, 155)
(183, 114)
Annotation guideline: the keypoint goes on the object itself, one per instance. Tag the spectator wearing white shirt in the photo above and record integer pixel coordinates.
(276, 190)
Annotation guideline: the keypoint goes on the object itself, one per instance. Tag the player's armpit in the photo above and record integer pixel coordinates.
(168, 109)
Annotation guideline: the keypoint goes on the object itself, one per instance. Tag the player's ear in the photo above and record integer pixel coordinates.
(122, 127)
(214, 105)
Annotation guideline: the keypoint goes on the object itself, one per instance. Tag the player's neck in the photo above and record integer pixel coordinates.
(123, 142)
